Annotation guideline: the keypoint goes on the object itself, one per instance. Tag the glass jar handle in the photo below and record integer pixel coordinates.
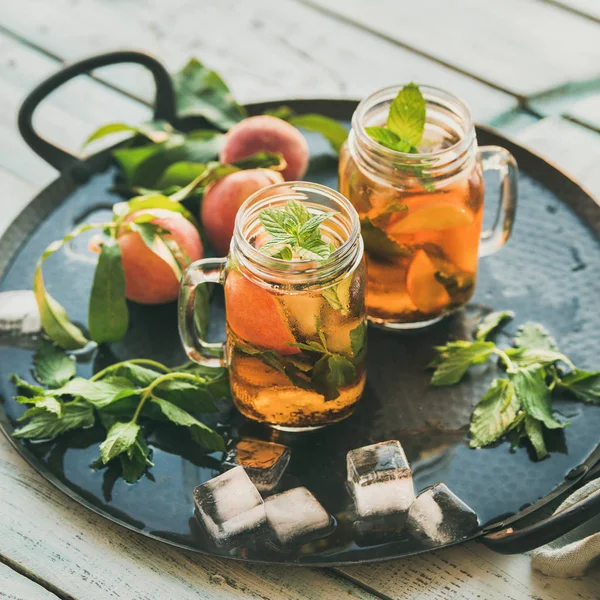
(194, 297)
(496, 158)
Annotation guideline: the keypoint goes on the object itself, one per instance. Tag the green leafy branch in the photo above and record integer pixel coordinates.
(120, 397)
(520, 405)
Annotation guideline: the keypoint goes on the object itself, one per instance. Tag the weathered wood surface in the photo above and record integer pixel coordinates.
(569, 146)
(270, 50)
(14, 586)
(522, 46)
(470, 572)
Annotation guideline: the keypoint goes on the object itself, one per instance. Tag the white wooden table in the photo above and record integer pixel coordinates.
(525, 66)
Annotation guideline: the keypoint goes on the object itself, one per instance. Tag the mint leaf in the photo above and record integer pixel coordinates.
(358, 338)
(534, 336)
(299, 211)
(310, 227)
(407, 114)
(456, 357)
(294, 231)
(386, 137)
(52, 366)
(494, 414)
(98, 393)
(534, 395)
(331, 296)
(584, 385)
(25, 388)
(333, 131)
(136, 460)
(41, 404)
(195, 398)
(526, 357)
(200, 92)
(378, 243)
(491, 322)
(108, 318)
(201, 433)
(47, 425)
(330, 373)
(120, 437)
(139, 375)
(535, 434)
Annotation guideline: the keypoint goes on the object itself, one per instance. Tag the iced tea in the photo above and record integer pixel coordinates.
(421, 244)
(294, 281)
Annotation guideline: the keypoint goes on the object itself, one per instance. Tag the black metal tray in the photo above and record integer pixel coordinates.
(549, 271)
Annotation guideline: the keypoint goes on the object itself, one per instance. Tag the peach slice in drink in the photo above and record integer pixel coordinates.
(428, 294)
(432, 216)
(255, 316)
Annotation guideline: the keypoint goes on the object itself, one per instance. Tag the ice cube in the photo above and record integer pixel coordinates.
(439, 517)
(229, 506)
(264, 462)
(380, 479)
(297, 516)
(19, 315)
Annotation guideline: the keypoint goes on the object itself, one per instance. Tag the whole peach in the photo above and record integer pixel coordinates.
(223, 199)
(148, 277)
(265, 133)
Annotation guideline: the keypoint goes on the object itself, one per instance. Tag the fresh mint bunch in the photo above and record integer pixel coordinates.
(405, 122)
(121, 398)
(518, 406)
(295, 233)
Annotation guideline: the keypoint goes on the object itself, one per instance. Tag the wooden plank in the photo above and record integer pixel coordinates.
(586, 112)
(16, 587)
(272, 49)
(470, 572)
(90, 558)
(568, 145)
(512, 44)
(514, 121)
(589, 8)
(15, 193)
(580, 101)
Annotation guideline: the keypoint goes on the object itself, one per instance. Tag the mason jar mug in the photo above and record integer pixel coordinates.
(295, 321)
(421, 213)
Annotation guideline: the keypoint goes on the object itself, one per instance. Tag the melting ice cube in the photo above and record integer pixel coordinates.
(380, 479)
(229, 505)
(297, 516)
(264, 462)
(440, 517)
(19, 316)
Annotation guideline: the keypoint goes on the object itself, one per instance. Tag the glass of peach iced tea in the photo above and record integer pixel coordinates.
(295, 307)
(412, 169)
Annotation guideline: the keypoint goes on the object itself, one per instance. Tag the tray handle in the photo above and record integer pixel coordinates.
(61, 159)
(515, 541)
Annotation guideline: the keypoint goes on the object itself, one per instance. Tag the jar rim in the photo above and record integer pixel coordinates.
(310, 269)
(429, 92)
